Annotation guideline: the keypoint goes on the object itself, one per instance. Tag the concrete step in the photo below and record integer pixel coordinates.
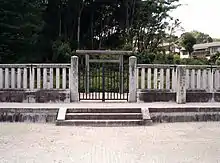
(130, 122)
(103, 110)
(103, 116)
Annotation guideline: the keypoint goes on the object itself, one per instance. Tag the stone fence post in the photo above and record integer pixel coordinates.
(181, 85)
(74, 91)
(132, 79)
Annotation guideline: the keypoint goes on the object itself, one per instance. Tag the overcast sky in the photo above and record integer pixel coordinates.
(201, 15)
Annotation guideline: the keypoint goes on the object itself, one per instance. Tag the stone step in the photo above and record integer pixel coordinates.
(100, 122)
(103, 116)
(103, 110)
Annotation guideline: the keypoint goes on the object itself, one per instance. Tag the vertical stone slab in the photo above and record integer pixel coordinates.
(161, 78)
(38, 78)
(45, 78)
(198, 80)
(31, 78)
(19, 78)
(187, 79)
(57, 78)
(6, 78)
(143, 78)
(193, 75)
(69, 74)
(1, 78)
(155, 78)
(204, 79)
(64, 78)
(137, 78)
(51, 78)
(13, 78)
(132, 79)
(210, 81)
(74, 91)
(168, 78)
(149, 78)
(174, 79)
(25, 78)
(216, 79)
(181, 85)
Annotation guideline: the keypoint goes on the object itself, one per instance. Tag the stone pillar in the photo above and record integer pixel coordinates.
(74, 91)
(181, 85)
(132, 79)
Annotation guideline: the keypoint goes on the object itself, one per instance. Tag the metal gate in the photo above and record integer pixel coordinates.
(103, 79)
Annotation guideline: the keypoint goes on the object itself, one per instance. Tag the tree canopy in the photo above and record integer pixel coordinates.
(187, 40)
(50, 30)
(201, 37)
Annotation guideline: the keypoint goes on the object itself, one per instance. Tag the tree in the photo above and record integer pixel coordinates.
(216, 39)
(187, 40)
(215, 59)
(20, 24)
(150, 23)
(39, 31)
(201, 37)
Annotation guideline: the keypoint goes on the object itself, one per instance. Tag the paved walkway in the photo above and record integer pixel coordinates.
(162, 143)
(99, 105)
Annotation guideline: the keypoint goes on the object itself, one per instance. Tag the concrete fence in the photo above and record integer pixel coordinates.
(34, 76)
(180, 83)
(147, 82)
(34, 82)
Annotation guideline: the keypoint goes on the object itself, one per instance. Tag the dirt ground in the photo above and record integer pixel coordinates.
(160, 143)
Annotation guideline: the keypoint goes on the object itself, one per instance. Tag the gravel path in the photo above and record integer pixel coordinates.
(161, 143)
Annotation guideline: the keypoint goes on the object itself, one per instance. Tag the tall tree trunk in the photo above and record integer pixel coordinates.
(60, 22)
(79, 24)
(78, 32)
(92, 33)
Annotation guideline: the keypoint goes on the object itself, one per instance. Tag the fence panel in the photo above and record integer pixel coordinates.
(34, 76)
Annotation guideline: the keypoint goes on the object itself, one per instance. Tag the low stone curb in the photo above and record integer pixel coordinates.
(41, 115)
(158, 115)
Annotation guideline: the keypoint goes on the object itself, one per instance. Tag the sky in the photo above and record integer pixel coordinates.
(200, 15)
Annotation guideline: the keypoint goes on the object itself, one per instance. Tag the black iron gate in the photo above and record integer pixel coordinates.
(103, 80)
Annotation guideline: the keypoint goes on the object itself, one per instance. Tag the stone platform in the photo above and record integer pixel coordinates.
(159, 112)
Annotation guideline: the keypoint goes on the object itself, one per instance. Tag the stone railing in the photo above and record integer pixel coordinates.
(148, 83)
(193, 83)
(34, 76)
(156, 77)
(203, 77)
(35, 82)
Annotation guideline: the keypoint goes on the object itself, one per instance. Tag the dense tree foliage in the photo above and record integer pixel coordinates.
(50, 30)
(20, 24)
(187, 40)
(201, 37)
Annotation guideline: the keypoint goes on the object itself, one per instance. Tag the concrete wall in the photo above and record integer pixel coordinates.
(36, 115)
(38, 96)
(167, 96)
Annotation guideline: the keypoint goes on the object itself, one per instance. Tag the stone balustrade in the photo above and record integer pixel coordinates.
(147, 82)
(35, 83)
(203, 77)
(156, 82)
(156, 77)
(34, 76)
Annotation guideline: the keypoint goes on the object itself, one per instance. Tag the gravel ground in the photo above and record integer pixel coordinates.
(170, 143)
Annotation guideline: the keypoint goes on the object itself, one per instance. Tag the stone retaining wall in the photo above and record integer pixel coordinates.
(28, 115)
(166, 96)
(38, 96)
(192, 114)
(158, 115)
